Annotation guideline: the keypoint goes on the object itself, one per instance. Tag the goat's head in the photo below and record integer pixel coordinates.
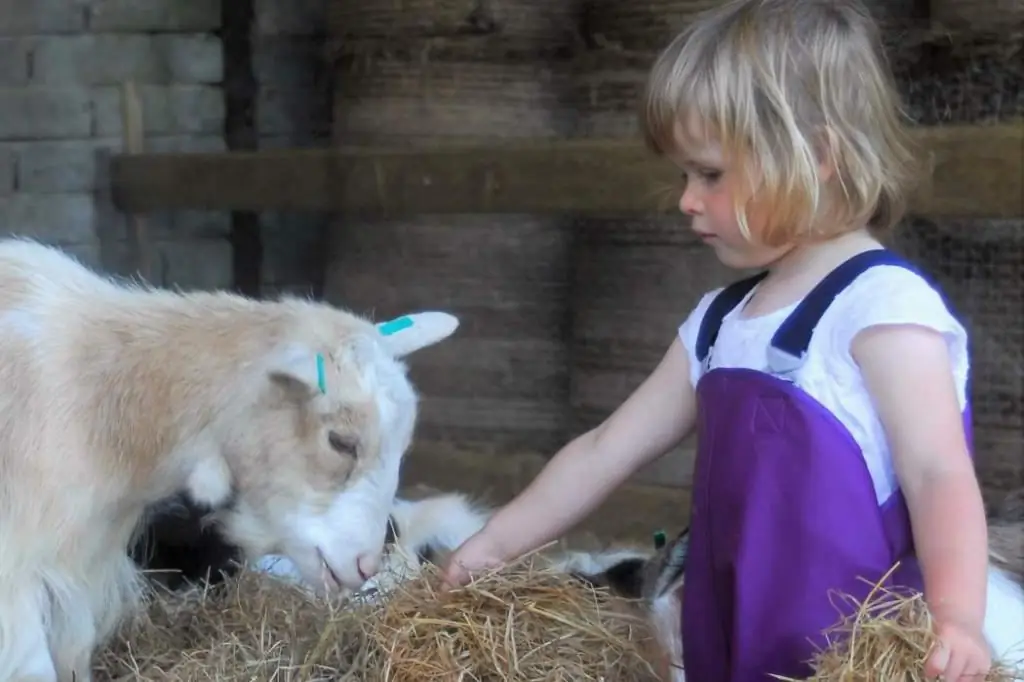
(317, 470)
(655, 578)
(420, 531)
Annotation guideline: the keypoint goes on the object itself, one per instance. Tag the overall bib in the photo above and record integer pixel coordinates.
(784, 512)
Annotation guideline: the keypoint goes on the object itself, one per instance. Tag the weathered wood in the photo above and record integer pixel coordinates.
(979, 171)
(133, 141)
(980, 16)
(502, 385)
(490, 29)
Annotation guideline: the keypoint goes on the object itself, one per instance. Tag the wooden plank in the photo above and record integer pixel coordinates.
(978, 172)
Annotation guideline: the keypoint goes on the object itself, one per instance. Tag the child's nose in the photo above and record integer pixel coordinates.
(689, 202)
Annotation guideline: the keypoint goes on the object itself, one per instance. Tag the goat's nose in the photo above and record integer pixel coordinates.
(367, 565)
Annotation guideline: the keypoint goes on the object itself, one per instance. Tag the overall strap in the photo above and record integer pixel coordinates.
(727, 299)
(790, 342)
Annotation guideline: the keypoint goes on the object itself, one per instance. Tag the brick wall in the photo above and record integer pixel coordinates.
(62, 64)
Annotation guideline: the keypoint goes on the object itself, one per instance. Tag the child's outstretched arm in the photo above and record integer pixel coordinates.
(907, 370)
(659, 414)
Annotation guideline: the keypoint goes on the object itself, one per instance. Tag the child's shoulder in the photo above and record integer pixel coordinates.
(884, 294)
(891, 294)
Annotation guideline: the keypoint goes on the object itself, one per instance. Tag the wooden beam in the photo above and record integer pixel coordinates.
(979, 171)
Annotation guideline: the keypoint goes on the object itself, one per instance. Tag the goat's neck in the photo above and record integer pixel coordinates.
(172, 378)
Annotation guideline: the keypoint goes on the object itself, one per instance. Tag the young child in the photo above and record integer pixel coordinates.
(829, 393)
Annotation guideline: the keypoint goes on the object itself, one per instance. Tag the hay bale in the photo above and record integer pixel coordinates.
(888, 636)
(523, 622)
(253, 627)
(520, 623)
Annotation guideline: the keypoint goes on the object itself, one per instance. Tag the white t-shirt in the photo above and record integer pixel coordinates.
(883, 294)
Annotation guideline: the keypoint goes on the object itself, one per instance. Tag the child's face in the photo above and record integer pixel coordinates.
(709, 199)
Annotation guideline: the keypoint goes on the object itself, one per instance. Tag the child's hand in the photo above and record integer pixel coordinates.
(960, 655)
(479, 552)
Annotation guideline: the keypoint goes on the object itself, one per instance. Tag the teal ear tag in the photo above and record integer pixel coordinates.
(393, 326)
(321, 377)
(659, 539)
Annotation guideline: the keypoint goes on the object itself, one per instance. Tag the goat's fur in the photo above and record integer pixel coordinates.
(424, 527)
(117, 397)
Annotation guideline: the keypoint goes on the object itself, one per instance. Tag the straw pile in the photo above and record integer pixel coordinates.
(888, 636)
(522, 623)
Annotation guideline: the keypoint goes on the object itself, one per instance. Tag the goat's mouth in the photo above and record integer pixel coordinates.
(326, 572)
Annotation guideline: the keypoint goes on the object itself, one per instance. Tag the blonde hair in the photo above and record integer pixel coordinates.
(782, 85)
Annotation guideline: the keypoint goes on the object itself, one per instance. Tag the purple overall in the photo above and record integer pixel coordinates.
(784, 512)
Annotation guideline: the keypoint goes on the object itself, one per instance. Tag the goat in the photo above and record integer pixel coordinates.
(424, 527)
(288, 419)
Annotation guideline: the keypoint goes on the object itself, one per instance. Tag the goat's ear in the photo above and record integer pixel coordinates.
(409, 333)
(624, 578)
(296, 367)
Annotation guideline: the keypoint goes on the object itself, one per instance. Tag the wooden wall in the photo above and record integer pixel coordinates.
(557, 346)
(563, 318)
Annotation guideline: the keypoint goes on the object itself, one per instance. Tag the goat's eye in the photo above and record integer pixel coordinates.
(344, 445)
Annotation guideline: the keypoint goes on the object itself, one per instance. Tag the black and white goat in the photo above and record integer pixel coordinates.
(180, 549)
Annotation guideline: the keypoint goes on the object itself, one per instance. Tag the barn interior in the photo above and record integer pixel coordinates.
(480, 157)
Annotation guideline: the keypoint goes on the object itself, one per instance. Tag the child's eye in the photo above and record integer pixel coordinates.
(710, 176)
(706, 175)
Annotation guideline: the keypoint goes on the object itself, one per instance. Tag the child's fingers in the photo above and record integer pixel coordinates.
(454, 575)
(937, 661)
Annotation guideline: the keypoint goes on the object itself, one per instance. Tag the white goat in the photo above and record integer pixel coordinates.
(420, 531)
(428, 529)
(289, 418)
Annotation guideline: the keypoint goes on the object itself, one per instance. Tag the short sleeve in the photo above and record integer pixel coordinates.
(690, 328)
(895, 295)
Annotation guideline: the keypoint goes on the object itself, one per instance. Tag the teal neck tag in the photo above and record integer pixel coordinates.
(659, 539)
(321, 377)
(396, 325)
